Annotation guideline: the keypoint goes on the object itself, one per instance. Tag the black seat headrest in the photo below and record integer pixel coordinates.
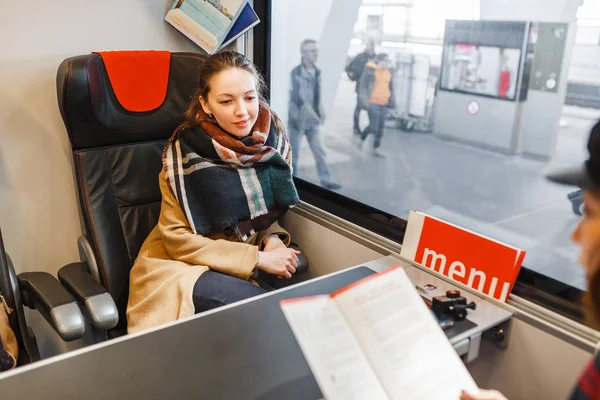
(95, 116)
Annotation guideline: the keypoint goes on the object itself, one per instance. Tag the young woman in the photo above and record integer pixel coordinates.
(226, 178)
(587, 235)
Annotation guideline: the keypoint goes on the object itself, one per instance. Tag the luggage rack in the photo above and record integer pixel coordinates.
(414, 89)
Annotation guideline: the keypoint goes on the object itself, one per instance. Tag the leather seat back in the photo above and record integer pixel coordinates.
(117, 159)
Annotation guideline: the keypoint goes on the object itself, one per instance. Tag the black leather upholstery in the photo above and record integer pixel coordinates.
(93, 116)
(40, 291)
(117, 159)
(120, 200)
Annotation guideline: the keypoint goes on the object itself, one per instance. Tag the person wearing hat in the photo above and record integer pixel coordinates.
(587, 235)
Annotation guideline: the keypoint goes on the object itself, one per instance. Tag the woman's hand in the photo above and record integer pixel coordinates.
(483, 395)
(281, 261)
(273, 242)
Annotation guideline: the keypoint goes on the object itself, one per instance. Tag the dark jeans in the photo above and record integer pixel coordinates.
(377, 115)
(315, 141)
(357, 110)
(214, 289)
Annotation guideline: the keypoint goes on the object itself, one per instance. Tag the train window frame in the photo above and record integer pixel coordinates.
(531, 285)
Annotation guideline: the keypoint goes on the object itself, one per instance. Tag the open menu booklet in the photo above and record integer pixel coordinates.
(377, 339)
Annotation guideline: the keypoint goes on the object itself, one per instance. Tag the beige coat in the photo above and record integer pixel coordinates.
(8, 341)
(172, 259)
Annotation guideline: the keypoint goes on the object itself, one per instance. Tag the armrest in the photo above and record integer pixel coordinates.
(96, 300)
(41, 291)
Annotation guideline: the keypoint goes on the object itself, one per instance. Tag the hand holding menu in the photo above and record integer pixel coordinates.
(376, 339)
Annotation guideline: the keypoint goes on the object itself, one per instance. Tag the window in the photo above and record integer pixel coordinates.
(588, 23)
(587, 35)
(474, 69)
(429, 16)
(459, 134)
(395, 20)
(373, 23)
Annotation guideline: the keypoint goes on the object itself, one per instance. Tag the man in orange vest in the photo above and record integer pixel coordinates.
(376, 94)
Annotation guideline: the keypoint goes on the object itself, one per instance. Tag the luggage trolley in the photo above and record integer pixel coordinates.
(414, 87)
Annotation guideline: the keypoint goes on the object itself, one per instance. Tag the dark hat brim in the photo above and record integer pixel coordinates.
(575, 176)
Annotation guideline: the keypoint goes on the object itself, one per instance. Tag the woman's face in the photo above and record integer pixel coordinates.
(233, 101)
(587, 234)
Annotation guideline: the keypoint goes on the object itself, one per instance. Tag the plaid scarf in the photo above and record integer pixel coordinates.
(588, 385)
(222, 182)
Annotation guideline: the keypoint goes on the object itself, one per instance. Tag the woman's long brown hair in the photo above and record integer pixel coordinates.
(218, 63)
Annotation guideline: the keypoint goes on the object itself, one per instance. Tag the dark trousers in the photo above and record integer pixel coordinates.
(315, 142)
(356, 125)
(357, 110)
(214, 289)
(377, 115)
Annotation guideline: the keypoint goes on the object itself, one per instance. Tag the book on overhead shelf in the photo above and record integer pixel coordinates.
(377, 339)
(212, 24)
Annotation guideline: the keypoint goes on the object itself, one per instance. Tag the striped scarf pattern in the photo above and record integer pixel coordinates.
(222, 182)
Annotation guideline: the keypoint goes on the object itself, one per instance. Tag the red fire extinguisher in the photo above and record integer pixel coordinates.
(504, 84)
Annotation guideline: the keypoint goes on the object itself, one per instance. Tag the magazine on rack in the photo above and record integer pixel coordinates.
(377, 339)
(212, 24)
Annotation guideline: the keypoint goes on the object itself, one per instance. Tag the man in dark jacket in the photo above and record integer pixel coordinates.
(355, 70)
(306, 112)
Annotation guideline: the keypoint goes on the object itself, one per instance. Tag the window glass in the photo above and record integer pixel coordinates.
(474, 69)
(395, 20)
(464, 130)
(588, 35)
(427, 17)
(588, 23)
